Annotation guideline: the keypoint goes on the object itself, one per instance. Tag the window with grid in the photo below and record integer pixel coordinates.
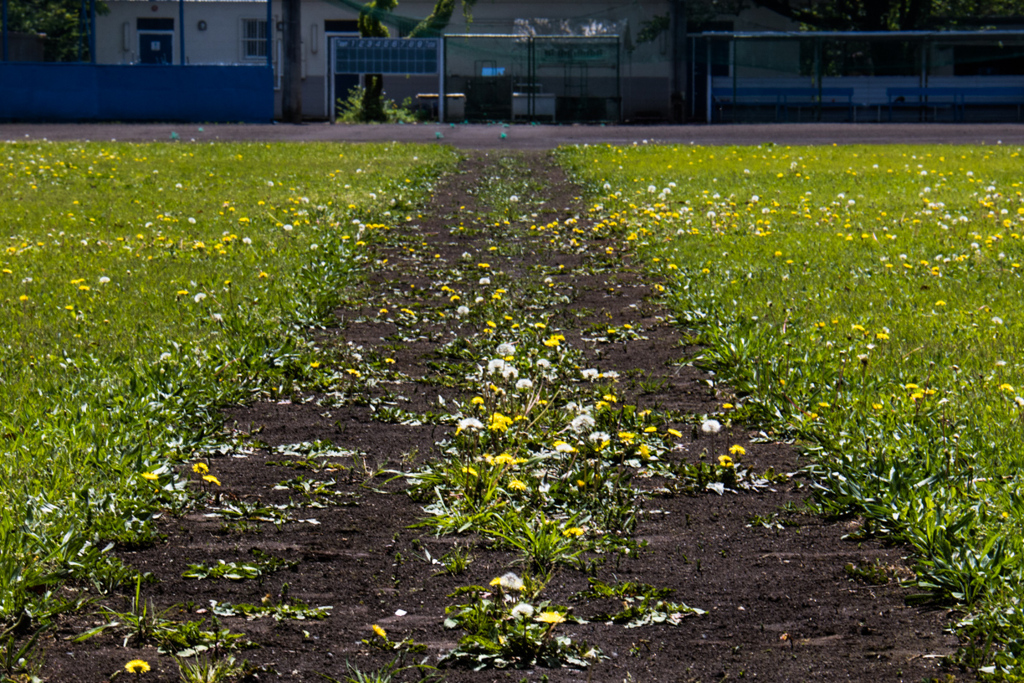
(254, 38)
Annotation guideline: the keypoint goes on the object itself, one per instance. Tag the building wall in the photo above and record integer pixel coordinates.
(645, 69)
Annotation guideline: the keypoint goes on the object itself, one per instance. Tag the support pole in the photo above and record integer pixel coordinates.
(181, 31)
(709, 105)
(82, 27)
(3, 20)
(677, 29)
(291, 88)
(92, 31)
(442, 47)
(270, 34)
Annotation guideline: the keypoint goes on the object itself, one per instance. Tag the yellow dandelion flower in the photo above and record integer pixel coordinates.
(676, 433)
(150, 476)
(738, 450)
(725, 461)
(137, 666)
(499, 422)
(210, 479)
(517, 485)
(550, 618)
(379, 631)
(200, 468)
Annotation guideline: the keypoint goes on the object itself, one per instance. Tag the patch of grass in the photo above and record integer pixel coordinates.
(864, 301)
(144, 287)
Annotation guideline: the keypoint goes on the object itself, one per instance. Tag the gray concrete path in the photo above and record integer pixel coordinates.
(489, 136)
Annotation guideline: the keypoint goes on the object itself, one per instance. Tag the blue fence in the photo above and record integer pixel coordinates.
(109, 92)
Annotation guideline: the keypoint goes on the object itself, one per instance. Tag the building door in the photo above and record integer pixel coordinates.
(156, 48)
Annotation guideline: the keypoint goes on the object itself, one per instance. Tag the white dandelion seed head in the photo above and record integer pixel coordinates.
(599, 437)
(470, 424)
(462, 311)
(511, 582)
(287, 227)
(506, 349)
(582, 423)
(104, 280)
(524, 384)
(502, 366)
(543, 363)
(522, 610)
(711, 426)
(485, 281)
(199, 297)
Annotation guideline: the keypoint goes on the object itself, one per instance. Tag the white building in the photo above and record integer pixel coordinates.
(234, 32)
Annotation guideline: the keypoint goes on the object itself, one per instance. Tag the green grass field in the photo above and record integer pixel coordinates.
(144, 287)
(862, 301)
(865, 301)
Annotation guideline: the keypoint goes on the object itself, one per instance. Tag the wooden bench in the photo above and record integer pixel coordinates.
(785, 97)
(954, 98)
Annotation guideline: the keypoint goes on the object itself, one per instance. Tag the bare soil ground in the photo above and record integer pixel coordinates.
(781, 603)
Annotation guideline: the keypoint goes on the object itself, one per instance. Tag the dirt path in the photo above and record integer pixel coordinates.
(786, 598)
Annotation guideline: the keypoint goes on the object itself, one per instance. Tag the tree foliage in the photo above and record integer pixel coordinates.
(438, 20)
(60, 20)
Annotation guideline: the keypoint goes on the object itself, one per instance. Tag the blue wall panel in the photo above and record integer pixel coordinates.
(114, 92)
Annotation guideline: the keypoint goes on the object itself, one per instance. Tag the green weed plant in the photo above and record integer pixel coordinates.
(145, 287)
(865, 301)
